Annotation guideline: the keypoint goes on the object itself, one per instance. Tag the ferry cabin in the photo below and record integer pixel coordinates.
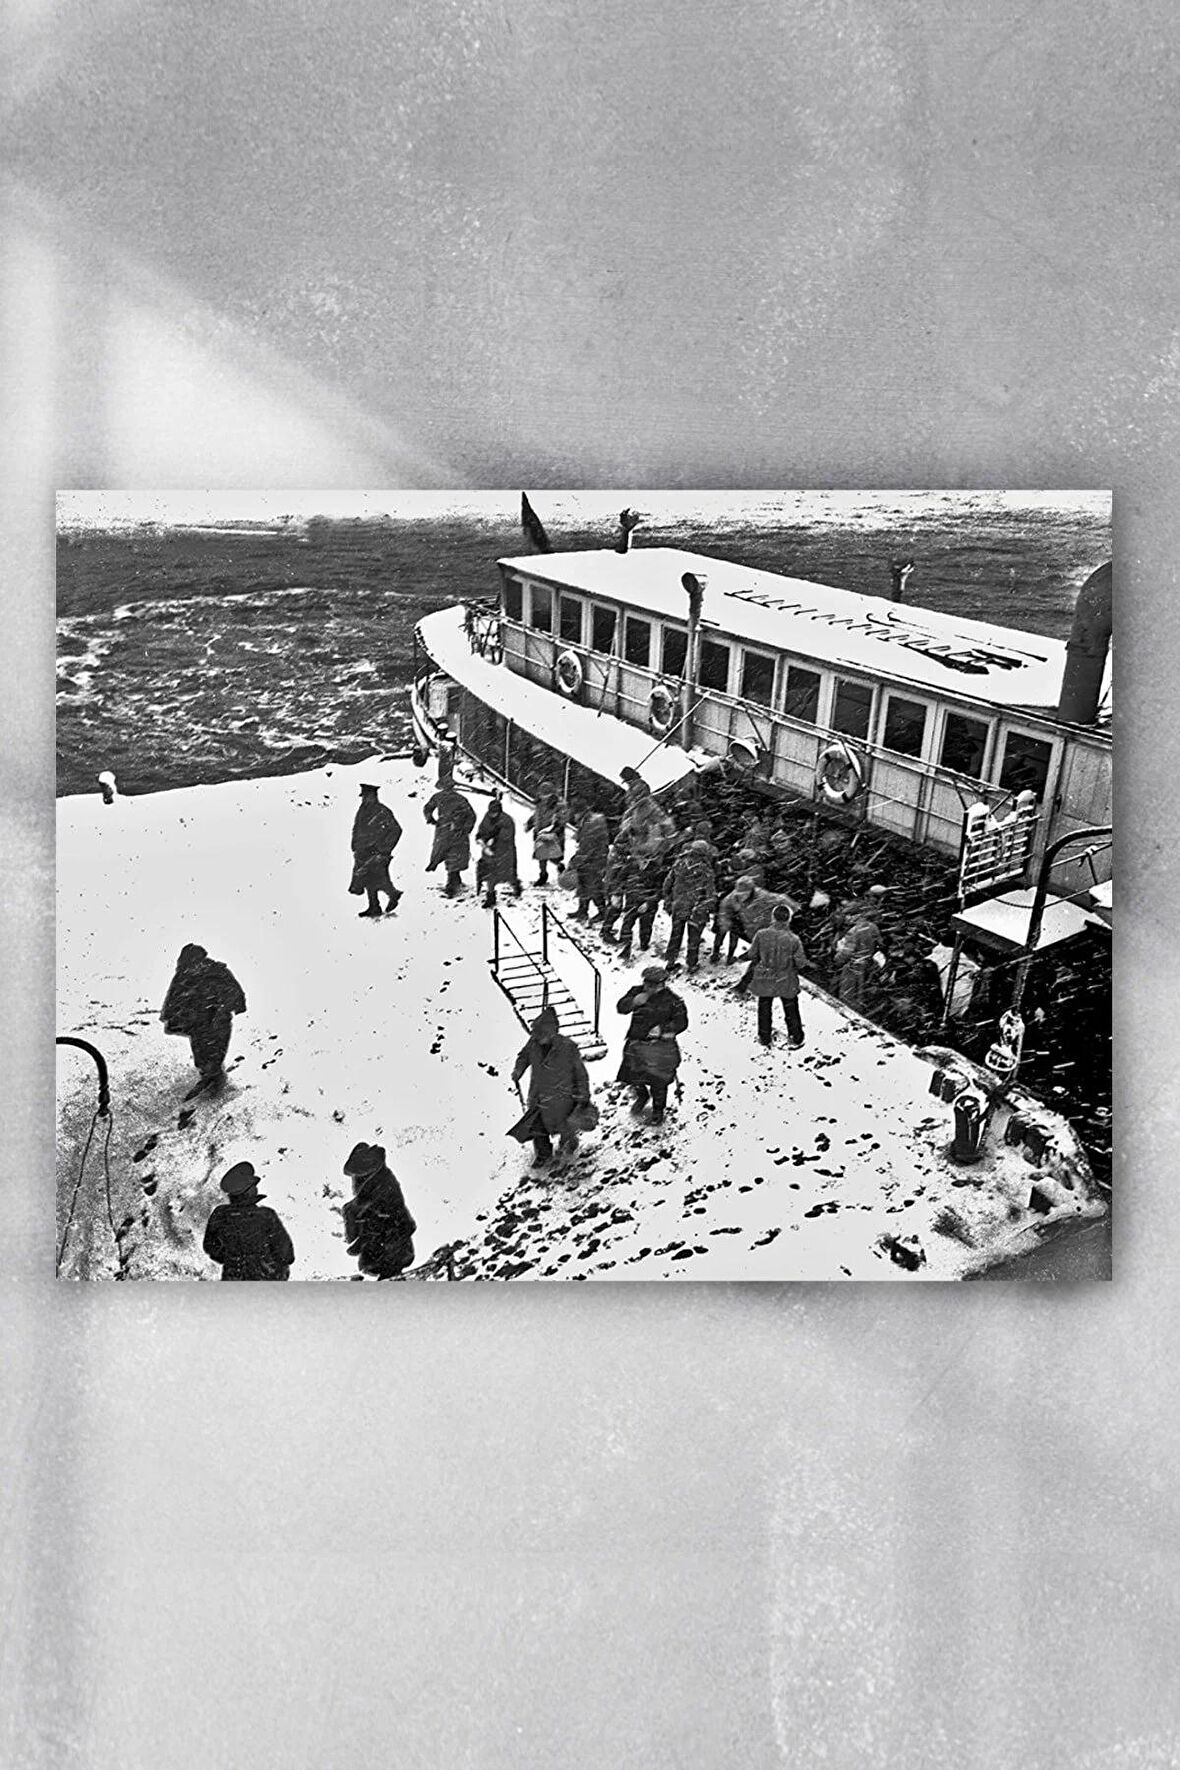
(940, 713)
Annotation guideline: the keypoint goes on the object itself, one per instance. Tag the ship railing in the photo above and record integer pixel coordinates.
(501, 928)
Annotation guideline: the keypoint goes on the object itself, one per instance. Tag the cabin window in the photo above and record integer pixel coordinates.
(637, 641)
(964, 744)
(675, 651)
(570, 617)
(852, 712)
(905, 726)
(513, 599)
(540, 609)
(757, 677)
(602, 628)
(801, 700)
(1026, 764)
(714, 665)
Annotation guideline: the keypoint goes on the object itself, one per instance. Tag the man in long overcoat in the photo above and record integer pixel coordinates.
(589, 863)
(453, 818)
(243, 1236)
(375, 834)
(202, 999)
(496, 836)
(547, 825)
(557, 1085)
(776, 954)
(378, 1227)
(690, 894)
(651, 1054)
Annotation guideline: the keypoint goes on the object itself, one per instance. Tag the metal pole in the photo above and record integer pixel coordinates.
(496, 942)
(104, 1091)
(952, 978)
(544, 933)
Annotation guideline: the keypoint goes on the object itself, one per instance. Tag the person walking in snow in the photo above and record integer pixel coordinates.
(375, 835)
(690, 893)
(651, 1054)
(589, 863)
(201, 1002)
(547, 825)
(453, 818)
(243, 1236)
(857, 959)
(378, 1227)
(496, 836)
(776, 955)
(558, 1084)
(741, 913)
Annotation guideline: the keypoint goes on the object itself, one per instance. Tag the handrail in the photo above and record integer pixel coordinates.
(104, 1090)
(499, 922)
(547, 916)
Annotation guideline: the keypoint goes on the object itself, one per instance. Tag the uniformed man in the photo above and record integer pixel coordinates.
(243, 1236)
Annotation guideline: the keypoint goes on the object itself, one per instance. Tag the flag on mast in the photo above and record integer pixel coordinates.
(534, 528)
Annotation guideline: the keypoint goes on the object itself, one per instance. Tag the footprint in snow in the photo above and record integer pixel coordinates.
(186, 1118)
(141, 1154)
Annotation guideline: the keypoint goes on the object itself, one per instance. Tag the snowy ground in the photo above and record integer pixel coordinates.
(772, 1165)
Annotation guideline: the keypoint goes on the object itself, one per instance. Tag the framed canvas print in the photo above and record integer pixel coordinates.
(467, 886)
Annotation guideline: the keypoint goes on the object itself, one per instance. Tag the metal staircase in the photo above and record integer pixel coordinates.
(528, 979)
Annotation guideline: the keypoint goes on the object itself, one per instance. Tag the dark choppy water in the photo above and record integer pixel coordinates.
(188, 656)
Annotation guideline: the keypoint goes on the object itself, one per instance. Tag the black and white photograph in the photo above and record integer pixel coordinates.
(465, 886)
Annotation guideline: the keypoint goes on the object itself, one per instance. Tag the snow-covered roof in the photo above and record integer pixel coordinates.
(600, 742)
(1003, 921)
(938, 652)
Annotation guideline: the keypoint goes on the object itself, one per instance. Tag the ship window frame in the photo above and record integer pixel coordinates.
(792, 664)
(668, 630)
(514, 594)
(725, 645)
(608, 612)
(762, 657)
(634, 620)
(887, 699)
(1000, 756)
(854, 682)
(566, 601)
(989, 726)
(536, 626)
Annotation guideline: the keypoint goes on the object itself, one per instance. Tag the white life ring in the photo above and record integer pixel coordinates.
(839, 774)
(661, 709)
(569, 674)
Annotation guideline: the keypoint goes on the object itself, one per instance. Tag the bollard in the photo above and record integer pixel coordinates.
(972, 1114)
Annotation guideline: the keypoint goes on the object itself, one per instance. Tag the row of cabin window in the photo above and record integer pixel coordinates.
(964, 739)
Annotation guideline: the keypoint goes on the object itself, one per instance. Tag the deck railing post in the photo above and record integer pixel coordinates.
(496, 942)
(545, 933)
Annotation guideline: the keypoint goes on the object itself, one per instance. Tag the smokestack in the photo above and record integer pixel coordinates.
(1085, 653)
(627, 521)
(694, 584)
(899, 572)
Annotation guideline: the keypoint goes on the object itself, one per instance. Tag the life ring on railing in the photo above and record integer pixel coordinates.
(839, 774)
(661, 709)
(569, 674)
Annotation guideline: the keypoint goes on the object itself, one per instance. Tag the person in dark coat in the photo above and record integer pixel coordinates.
(202, 999)
(453, 818)
(375, 835)
(547, 825)
(243, 1236)
(558, 1084)
(634, 886)
(496, 836)
(378, 1227)
(741, 913)
(855, 959)
(589, 863)
(690, 894)
(651, 1054)
(776, 954)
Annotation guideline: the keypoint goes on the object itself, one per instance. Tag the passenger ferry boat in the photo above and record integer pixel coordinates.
(981, 742)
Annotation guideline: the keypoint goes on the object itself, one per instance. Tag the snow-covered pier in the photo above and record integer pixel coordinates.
(772, 1165)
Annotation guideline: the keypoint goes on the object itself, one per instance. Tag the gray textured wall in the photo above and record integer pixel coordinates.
(854, 243)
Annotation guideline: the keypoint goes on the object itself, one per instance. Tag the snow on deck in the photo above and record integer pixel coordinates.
(773, 1165)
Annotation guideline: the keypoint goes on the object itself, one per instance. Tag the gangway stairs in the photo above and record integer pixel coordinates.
(530, 982)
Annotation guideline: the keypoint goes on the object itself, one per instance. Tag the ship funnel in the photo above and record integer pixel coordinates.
(1085, 653)
(627, 522)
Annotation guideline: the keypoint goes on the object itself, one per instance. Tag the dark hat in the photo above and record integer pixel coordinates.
(655, 973)
(546, 1021)
(368, 787)
(239, 1179)
(366, 1158)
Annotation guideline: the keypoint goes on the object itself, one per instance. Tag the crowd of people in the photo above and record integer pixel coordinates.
(720, 881)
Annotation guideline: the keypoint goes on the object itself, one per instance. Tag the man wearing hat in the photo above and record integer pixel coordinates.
(375, 835)
(377, 1224)
(651, 1054)
(243, 1236)
(557, 1084)
(690, 894)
